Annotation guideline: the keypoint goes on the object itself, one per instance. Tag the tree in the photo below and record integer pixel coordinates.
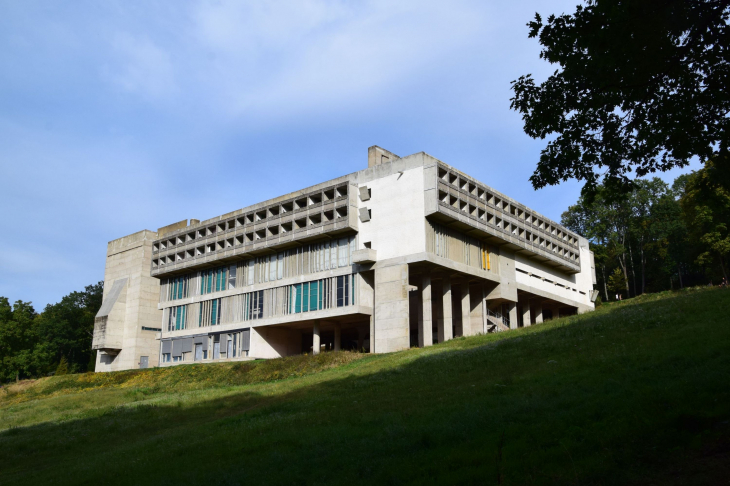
(643, 198)
(604, 220)
(37, 344)
(706, 206)
(68, 326)
(16, 340)
(617, 281)
(62, 368)
(642, 87)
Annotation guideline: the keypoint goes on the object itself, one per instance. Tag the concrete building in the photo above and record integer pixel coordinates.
(407, 252)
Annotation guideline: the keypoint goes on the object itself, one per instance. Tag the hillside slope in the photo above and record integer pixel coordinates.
(633, 393)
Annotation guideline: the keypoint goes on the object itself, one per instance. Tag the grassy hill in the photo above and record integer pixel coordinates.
(634, 393)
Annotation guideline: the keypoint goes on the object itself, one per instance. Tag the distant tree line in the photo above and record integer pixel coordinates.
(655, 237)
(58, 340)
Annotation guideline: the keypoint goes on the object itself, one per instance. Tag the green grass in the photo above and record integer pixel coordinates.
(634, 393)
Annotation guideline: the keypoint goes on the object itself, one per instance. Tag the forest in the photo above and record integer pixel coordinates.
(649, 236)
(55, 341)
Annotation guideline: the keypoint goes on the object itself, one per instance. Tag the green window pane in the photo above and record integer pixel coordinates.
(297, 298)
(313, 295)
(305, 297)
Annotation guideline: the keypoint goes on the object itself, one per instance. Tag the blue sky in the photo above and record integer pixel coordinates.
(119, 116)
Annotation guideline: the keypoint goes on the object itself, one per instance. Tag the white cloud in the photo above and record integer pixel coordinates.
(283, 58)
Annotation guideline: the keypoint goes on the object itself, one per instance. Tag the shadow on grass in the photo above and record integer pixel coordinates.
(612, 400)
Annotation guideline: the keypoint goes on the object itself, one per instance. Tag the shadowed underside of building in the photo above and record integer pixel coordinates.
(407, 252)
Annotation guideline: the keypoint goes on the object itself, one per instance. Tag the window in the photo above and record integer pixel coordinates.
(166, 357)
(343, 290)
(210, 313)
(255, 305)
(214, 280)
(232, 277)
(177, 288)
(343, 252)
(176, 318)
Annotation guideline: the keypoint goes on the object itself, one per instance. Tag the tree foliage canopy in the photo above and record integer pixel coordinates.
(642, 87)
(33, 344)
(656, 236)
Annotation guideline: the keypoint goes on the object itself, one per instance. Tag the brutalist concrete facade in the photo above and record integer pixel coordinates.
(407, 252)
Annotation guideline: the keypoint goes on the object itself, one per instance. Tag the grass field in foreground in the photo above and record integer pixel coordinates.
(634, 393)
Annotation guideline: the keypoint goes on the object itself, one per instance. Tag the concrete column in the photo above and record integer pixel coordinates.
(390, 331)
(338, 336)
(556, 312)
(538, 313)
(484, 309)
(476, 298)
(425, 328)
(446, 328)
(465, 310)
(526, 316)
(315, 339)
(512, 308)
(419, 324)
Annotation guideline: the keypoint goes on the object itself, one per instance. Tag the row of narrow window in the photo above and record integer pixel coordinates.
(326, 293)
(451, 244)
(303, 260)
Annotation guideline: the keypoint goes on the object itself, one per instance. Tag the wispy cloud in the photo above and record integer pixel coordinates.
(284, 58)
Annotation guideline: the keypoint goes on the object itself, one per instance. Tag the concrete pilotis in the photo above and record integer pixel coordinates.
(390, 324)
(538, 313)
(425, 332)
(446, 328)
(338, 336)
(315, 338)
(512, 307)
(526, 316)
(476, 315)
(556, 312)
(465, 310)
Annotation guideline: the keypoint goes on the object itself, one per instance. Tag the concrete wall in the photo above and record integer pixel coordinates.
(274, 342)
(574, 290)
(391, 330)
(129, 258)
(396, 203)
